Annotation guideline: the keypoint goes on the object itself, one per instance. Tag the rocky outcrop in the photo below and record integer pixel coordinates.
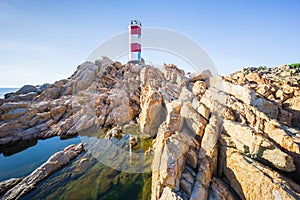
(231, 128)
(54, 163)
(231, 137)
(102, 94)
(252, 180)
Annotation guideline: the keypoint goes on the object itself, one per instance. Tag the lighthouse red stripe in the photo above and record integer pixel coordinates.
(135, 30)
(135, 47)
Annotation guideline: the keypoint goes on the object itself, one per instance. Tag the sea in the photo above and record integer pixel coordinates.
(4, 91)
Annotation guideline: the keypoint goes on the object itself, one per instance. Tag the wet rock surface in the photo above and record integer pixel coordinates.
(8, 184)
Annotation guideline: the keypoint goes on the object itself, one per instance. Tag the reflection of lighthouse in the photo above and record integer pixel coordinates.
(135, 30)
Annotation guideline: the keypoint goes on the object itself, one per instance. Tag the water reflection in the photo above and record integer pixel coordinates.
(21, 159)
(85, 177)
(18, 147)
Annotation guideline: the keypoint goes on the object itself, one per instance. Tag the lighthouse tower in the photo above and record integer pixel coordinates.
(135, 30)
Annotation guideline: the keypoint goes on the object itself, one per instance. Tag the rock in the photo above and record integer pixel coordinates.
(203, 178)
(42, 106)
(55, 162)
(202, 109)
(114, 132)
(203, 76)
(14, 113)
(173, 74)
(280, 95)
(199, 88)
(257, 146)
(174, 119)
(103, 61)
(246, 176)
(192, 158)
(255, 77)
(293, 106)
(186, 94)
(50, 93)
(286, 73)
(199, 192)
(117, 65)
(121, 115)
(45, 116)
(133, 141)
(210, 138)
(43, 87)
(168, 194)
(153, 113)
(7, 184)
(8, 140)
(65, 126)
(26, 89)
(57, 112)
(23, 97)
(169, 159)
(208, 156)
(171, 92)
(84, 122)
(192, 119)
(150, 76)
(281, 136)
(13, 105)
(189, 175)
(186, 186)
(8, 95)
(172, 161)
(250, 98)
(85, 76)
(219, 190)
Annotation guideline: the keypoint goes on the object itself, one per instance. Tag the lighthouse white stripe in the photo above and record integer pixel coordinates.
(135, 39)
(135, 56)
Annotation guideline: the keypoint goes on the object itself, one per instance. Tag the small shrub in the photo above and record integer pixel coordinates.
(296, 66)
(262, 67)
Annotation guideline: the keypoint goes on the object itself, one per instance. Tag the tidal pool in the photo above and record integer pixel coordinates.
(22, 158)
(87, 176)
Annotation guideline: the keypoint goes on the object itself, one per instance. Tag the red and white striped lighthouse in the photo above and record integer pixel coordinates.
(135, 30)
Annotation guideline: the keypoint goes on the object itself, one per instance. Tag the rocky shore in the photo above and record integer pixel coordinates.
(231, 137)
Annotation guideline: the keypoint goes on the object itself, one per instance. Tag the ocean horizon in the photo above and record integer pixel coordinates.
(4, 91)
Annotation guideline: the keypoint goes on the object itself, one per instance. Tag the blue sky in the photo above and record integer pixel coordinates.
(43, 41)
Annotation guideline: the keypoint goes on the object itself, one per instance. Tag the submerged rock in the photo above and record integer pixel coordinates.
(114, 132)
(7, 184)
(54, 163)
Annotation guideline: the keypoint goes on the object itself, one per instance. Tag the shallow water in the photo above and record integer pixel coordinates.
(87, 176)
(22, 158)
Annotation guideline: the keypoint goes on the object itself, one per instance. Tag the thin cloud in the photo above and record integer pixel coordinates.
(31, 74)
(25, 48)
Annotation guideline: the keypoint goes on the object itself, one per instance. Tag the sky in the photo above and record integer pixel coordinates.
(44, 41)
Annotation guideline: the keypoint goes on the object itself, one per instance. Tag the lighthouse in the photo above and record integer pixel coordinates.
(135, 30)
